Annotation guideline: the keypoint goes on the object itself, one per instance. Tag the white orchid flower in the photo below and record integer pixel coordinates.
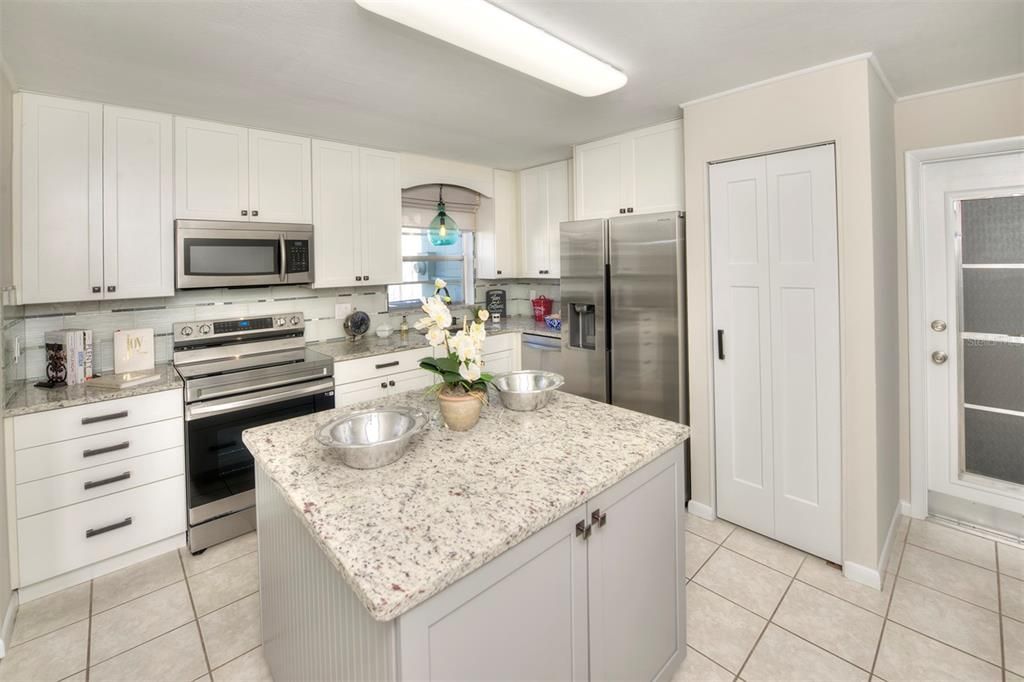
(470, 371)
(464, 345)
(423, 322)
(440, 283)
(436, 336)
(483, 315)
(437, 311)
(477, 333)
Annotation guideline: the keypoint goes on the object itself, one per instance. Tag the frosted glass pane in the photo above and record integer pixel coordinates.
(993, 301)
(993, 230)
(994, 445)
(994, 374)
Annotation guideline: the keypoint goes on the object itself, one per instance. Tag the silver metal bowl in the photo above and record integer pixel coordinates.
(368, 439)
(527, 390)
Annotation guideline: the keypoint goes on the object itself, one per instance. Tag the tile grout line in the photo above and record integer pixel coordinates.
(945, 594)
(999, 605)
(888, 606)
(88, 636)
(246, 653)
(768, 621)
(950, 556)
(195, 615)
(210, 568)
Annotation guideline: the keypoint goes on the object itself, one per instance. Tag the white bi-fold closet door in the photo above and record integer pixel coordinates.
(775, 302)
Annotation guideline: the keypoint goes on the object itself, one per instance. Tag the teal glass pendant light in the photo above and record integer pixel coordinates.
(443, 230)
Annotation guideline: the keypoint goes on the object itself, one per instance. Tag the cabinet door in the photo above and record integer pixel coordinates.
(380, 182)
(601, 178)
(336, 216)
(496, 363)
(522, 616)
(358, 391)
(657, 168)
(417, 379)
(636, 576)
(279, 178)
(58, 199)
(211, 170)
(557, 176)
(138, 228)
(496, 244)
(533, 217)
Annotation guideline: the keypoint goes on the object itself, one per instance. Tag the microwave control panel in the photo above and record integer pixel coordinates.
(296, 255)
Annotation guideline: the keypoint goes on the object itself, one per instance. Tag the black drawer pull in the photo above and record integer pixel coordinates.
(721, 344)
(106, 529)
(102, 451)
(105, 417)
(387, 364)
(89, 485)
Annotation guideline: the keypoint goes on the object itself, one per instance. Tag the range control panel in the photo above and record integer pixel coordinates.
(289, 323)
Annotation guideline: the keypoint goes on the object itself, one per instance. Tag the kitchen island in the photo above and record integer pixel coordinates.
(540, 545)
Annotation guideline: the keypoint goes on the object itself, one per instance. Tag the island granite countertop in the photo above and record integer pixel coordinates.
(402, 533)
(27, 398)
(370, 344)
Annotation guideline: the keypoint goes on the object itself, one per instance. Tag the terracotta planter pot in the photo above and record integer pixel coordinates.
(461, 411)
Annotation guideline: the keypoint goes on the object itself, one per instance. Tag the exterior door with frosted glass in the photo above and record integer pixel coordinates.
(973, 230)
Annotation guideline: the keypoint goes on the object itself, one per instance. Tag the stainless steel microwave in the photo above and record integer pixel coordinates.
(221, 253)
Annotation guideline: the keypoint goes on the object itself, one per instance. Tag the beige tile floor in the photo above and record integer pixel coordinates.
(174, 617)
(952, 608)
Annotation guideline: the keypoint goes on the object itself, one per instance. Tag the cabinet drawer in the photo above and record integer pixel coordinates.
(86, 420)
(66, 456)
(379, 365)
(65, 539)
(500, 342)
(78, 486)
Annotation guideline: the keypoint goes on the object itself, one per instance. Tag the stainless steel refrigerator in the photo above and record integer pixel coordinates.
(623, 312)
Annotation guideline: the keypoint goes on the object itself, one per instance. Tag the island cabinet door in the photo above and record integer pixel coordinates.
(637, 617)
(521, 616)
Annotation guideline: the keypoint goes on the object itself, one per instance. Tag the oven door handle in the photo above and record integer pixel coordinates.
(237, 403)
(284, 259)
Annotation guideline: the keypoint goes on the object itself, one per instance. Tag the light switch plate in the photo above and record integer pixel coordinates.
(342, 310)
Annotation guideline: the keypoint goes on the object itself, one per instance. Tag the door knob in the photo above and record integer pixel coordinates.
(938, 325)
(939, 358)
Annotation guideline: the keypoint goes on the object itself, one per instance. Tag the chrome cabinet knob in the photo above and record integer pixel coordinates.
(938, 325)
(939, 358)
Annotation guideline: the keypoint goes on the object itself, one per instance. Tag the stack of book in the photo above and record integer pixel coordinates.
(69, 355)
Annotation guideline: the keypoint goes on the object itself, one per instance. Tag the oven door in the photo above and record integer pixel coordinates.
(219, 468)
(224, 254)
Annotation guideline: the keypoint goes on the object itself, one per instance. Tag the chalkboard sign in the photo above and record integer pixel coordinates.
(496, 302)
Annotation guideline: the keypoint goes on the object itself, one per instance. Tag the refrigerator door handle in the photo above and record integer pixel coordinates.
(721, 344)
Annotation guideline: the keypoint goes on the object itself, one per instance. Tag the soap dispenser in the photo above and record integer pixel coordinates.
(403, 330)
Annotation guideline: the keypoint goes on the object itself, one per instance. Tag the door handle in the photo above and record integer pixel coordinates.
(598, 518)
(721, 344)
(104, 417)
(92, 532)
(109, 448)
(89, 485)
(939, 358)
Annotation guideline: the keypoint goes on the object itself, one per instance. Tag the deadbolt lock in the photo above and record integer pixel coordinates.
(938, 325)
(939, 358)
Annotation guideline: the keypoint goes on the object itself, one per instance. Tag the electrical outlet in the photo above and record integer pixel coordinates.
(342, 310)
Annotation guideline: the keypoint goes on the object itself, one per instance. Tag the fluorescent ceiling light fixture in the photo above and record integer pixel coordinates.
(491, 32)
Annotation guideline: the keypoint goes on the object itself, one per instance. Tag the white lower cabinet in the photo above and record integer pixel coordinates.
(597, 594)
(496, 363)
(95, 487)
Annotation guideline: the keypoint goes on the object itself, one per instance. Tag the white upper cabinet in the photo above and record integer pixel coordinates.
(638, 172)
(380, 179)
(225, 172)
(336, 215)
(138, 227)
(279, 178)
(357, 215)
(58, 198)
(211, 170)
(543, 205)
(496, 230)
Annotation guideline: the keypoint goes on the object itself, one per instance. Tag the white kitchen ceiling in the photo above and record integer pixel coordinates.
(333, 70)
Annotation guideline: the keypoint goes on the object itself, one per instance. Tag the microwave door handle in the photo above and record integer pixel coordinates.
(284, 264)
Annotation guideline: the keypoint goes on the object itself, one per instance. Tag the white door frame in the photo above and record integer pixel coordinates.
(917, 318)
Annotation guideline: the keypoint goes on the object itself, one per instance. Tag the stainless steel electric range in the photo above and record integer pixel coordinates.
(239, 373)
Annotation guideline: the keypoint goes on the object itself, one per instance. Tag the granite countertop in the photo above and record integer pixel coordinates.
(404, 532)
(26, 398)
(370, 344)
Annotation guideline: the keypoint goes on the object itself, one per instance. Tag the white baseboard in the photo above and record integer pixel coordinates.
(7, 628)
(862, 574)
(906, 509)
(702, 510)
